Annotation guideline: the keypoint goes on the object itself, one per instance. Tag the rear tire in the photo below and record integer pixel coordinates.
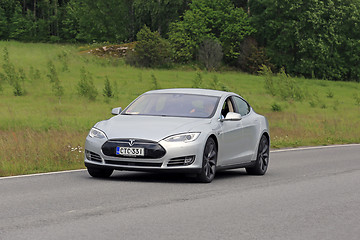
(262, 160)
(100, 172)
(208, 169)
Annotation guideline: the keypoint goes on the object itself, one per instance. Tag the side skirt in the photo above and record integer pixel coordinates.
(242, 165)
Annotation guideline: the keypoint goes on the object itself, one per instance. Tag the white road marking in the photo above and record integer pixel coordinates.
(313, 148)
(272, 151)
(41, 174)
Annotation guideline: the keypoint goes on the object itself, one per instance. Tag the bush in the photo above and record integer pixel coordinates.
(216, 84)
(269, 82)
(276, 107)
(210, 54)
(155, 83)
(330, 93)
(284, 86)
(197, 81)
(12, 76)
(86, 87)
(107, 91)
(252, 57)
(357, 99)
(151, 49)
(288, 87)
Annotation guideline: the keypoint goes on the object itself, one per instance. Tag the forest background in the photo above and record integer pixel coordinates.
(310, 38)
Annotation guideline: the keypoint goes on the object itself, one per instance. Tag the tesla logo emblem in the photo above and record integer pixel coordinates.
(131, 142)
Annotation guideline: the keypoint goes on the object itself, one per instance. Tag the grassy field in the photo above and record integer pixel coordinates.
(39, 133)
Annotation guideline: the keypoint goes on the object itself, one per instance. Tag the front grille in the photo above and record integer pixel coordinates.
(93, 156)
(152, 150)
(137, 164)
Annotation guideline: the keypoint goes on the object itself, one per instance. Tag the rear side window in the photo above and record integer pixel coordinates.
(241, 106)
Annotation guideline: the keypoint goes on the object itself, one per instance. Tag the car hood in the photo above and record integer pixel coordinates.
(153, 128)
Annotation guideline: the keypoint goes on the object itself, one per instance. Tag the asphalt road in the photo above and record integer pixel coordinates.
(306, 194)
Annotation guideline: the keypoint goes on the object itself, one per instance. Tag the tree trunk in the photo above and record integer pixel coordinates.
(35, 10)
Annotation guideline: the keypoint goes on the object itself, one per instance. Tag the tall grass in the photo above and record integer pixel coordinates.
(38, 133)
(28, 151)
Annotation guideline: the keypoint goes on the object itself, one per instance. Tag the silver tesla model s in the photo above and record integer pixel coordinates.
(182, 130)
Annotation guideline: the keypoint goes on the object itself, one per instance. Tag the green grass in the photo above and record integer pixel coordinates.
(38, 133)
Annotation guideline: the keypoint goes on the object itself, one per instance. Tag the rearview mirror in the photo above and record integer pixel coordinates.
(116, 111)
(232, 116)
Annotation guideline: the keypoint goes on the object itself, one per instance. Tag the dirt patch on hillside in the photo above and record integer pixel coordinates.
(119, 50)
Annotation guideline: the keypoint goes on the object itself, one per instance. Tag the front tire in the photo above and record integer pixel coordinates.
(262, 160)
(208, 169)
(100, 172)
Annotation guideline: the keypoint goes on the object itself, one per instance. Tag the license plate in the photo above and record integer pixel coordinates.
(128, 151)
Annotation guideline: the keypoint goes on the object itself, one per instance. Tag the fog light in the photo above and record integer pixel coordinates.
(88, 154)
(189, 160)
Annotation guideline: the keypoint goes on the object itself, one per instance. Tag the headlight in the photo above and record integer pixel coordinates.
(96, 133)
(184, 137)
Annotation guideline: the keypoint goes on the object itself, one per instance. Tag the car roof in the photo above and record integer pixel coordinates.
(197, 91)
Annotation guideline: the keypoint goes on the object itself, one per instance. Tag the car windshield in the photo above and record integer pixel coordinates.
(173, 105)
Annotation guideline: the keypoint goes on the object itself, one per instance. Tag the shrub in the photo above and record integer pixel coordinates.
(64, 58)
(269, 82)
(216, 84)
(34, 74)
(154, 82)
(288, 87)
(210, 54)
(197, 81)
(330, 94)
(275, 107)
(2, 77)
(12, 76)
(284, 86)
(107, 91)
(151, 49)
(251, 57)
(86, 87)
(57, 88)
(357, 99)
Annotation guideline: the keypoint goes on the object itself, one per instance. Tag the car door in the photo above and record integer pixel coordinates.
(249, 128)
(229, 139)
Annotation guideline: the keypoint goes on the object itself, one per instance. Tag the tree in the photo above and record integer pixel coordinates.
(70, 25)
(210, 54)
(311, 38)
(214, 19)
(3, 24)
(158, 13)
(104, 21)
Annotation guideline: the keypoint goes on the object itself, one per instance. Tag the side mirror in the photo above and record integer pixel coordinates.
(232, 116)
(116, 111)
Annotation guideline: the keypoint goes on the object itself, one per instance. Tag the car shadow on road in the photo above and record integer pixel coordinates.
(173, 178)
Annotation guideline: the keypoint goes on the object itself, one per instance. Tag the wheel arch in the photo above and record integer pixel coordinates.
(215, 139)
(263, 133)
(267, 135)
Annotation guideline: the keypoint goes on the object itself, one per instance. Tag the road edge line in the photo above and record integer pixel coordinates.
(314, 147)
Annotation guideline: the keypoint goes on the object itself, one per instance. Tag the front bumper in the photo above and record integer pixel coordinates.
(176, 159)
